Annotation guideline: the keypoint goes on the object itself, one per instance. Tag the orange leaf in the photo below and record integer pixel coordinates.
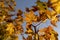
(53, 23)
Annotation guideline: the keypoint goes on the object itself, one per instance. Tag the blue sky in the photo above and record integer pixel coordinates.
(22, 4)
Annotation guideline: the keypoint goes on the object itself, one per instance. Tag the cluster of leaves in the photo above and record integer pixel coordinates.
(48, 34)
(44, 14)
(9, 28)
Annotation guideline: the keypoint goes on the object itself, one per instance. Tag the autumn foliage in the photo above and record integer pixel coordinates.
(10, 27)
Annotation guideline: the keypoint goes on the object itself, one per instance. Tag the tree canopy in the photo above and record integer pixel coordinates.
(10, 28)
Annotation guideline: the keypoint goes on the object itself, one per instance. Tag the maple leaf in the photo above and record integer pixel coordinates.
(41, 38)
(43, 17)
(11, 7)
(54, 20)
(29, 31)
(41, 5)
(14, 3)
(19, 20)
(30, 17)
(19, 13)
(27, 9)
(53, 13)
(48, 13)
(10, 27)
(53, 23)
(52, 1)
(34, 8)
(2, 18)
(49, 33)
(56, 6)
(2, 4)
(35, 36)
(18, 29)
(29, 38)
(52, 37)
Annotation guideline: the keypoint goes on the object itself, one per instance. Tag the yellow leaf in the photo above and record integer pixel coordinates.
(53, 13)
(56, 6)
(52, 1)
(36, 36)
(29, 31)
(54, 20)
(52, 37)
(30, 17)
(41, 5)
(49, 34)
(10, 27)
(14, 3)
(48, 13)
(2, 4)
(42, 38)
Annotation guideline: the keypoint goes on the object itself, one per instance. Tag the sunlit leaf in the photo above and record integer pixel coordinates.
(30, 17)
(41, 5)
(29, 31)
(52, 1)
(18, 29)
(13, 21)
(49, 34)
(10, 27)
(54, 20)
(56, 6)
(48, 13)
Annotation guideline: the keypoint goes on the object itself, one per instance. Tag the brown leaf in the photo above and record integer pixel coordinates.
(34, 8)
(27, 9)
(29, 38)
(43, 17)
(19, 12)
